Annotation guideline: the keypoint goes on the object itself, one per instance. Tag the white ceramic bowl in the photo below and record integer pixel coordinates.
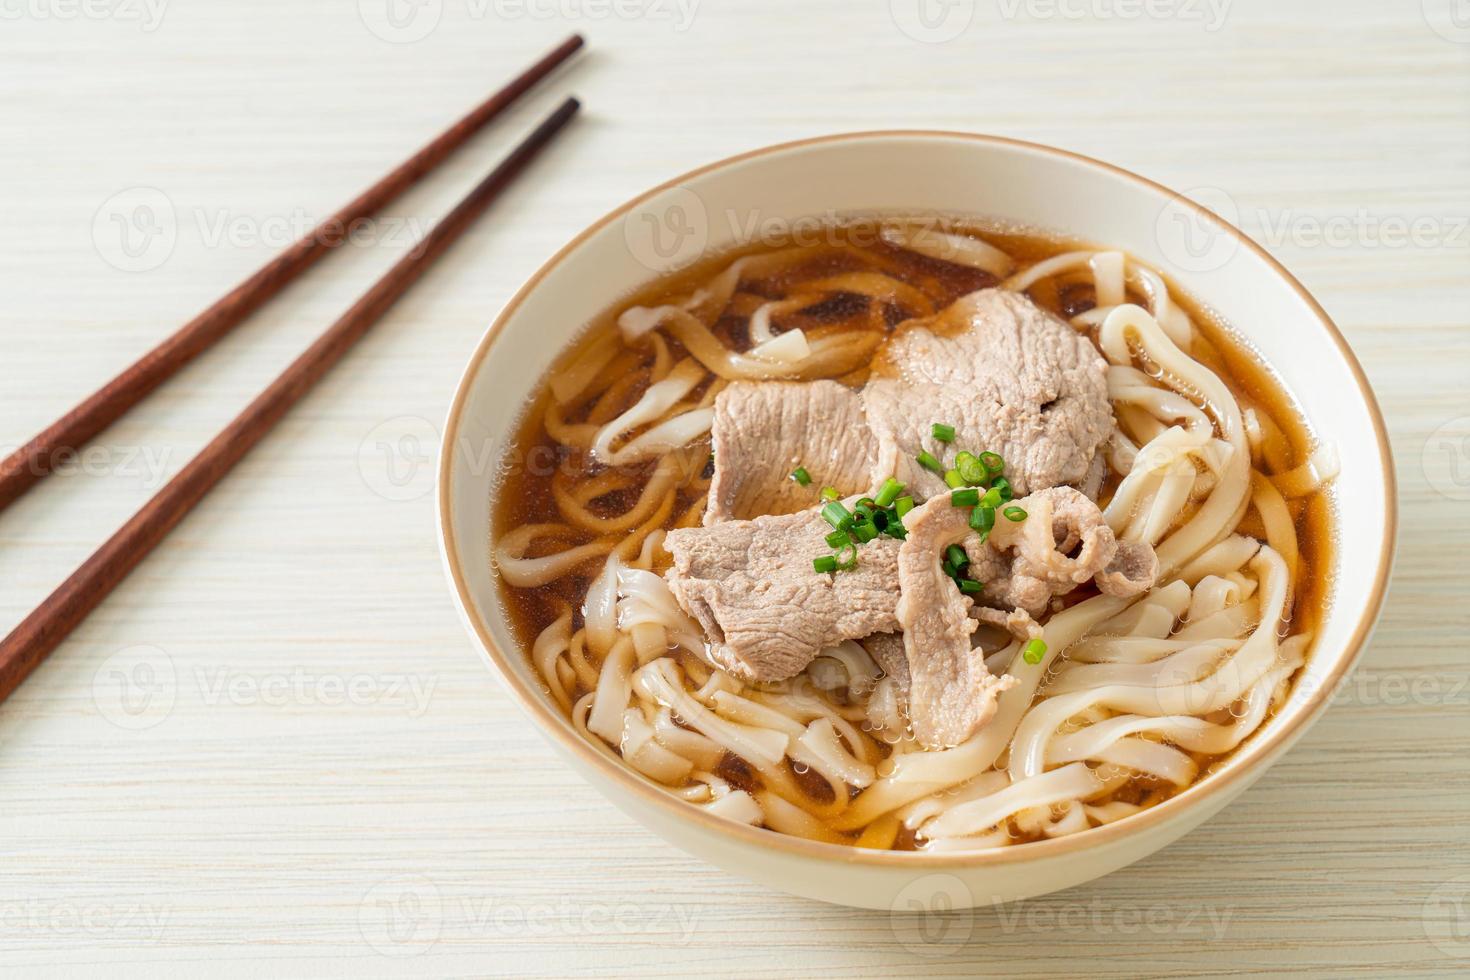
(958, 174)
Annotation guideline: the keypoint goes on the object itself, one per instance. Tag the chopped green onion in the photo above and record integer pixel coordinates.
(837, 515)
(965, 497)
(881, 519)
(992, 497)
(970, 586)
(982, 518)
(847, 557)
(953, 479)
(837, 539)
(949, 569)
(944, 433)
(830, 493)
(902, 506)
(825, 564)
(971, 468)
(1034, 651)
(800, 475)
(864, 531)
(1004, 486)
(1014, 514)
(895, 529)
(930, 462)
(889, 492)
(956, 556)
(993, 463)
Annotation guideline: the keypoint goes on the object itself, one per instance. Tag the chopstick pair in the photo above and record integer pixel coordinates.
(50, 623)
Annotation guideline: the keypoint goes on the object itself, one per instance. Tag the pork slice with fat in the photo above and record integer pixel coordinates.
(765, 611)
(1063, 543)
(764, 430)
(1010, 377)
(951, 694)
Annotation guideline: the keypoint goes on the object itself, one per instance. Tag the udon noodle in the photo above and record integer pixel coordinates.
(1135, 699)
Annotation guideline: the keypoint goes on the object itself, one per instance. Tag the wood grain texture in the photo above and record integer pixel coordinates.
(273, 743)
(73, 431)
(27, 646)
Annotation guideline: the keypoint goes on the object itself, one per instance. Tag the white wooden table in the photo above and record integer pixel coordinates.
(273, 752)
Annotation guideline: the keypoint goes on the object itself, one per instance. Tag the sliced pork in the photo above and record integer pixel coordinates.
(1017, 622)
(887, 652)
(765, 612)
(1063, 543)
(950, 691)
(763, 431)
(1132, 571)
(1010, 377)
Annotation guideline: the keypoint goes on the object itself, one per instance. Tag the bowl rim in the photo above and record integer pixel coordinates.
(1237, 773)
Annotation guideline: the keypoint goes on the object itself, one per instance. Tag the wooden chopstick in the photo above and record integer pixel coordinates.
(45, 628)
(27, 465)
